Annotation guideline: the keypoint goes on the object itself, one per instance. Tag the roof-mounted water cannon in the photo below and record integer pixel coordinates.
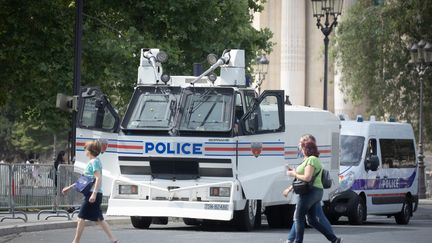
(232, 68)
(150, 70)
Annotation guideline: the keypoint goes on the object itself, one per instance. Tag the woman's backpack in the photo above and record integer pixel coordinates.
(326, 179)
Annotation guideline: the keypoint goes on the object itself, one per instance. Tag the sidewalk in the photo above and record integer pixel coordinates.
(425, 201)
(16, 226)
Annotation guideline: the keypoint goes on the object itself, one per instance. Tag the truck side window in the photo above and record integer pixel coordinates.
(97, 115)
(249, 97)
(239, 111)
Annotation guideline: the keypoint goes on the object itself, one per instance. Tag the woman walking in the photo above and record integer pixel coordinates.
(90, 208)
(310, 203)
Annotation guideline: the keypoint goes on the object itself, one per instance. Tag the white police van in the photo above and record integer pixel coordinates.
(202, 148)
(378, 165)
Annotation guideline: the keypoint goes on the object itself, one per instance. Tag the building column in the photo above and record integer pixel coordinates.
(293, 50)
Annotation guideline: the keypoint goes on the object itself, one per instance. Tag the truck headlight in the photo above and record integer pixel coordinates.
(220, 191)
(346, 182)
(128, 189)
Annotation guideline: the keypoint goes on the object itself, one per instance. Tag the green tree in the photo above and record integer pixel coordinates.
(36, 53)
(371, 47)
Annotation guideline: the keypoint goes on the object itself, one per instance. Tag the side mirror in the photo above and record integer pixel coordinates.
(372, 163)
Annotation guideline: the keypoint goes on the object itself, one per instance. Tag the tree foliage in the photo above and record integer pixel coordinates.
(36, 53)
(372, 48)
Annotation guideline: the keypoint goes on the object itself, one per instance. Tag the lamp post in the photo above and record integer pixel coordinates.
(421, 58)
(262, 64)
(77, 70)
(329, 10)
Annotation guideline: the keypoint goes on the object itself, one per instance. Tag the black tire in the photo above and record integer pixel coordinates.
(280, 216)
(274, 216)
(141, 222)
(288, 215)
(358, 213)
(405, 214)
(192, 222)
(245, 219)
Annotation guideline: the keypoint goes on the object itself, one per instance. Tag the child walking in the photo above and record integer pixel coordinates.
(90, 208)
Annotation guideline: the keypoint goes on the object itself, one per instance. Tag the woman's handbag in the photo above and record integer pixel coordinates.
(84, 184)
(302, 187)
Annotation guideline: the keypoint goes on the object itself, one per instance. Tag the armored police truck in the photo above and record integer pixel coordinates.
(202, 148)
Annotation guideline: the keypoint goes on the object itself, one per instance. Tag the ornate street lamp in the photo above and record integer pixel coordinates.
(329, 10)
(421, 59)
(262, 64)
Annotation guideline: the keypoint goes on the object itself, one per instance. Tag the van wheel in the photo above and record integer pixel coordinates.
(245, 219)
(405, 214)
(358, 213)
(141, 222)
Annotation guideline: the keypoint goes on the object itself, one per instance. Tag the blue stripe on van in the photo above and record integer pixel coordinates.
(384, 183)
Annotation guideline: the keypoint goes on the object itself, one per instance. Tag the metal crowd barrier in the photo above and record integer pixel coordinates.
(7, 193)
(38, 186)
(72, 200)
(65, 177)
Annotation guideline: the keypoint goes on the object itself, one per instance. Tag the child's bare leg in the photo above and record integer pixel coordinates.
(79, 230)
(106, 228)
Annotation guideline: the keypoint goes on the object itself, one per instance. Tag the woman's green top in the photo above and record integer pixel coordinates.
(316, 163)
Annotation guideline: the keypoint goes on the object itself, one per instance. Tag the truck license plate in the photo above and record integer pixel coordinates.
(215, 206)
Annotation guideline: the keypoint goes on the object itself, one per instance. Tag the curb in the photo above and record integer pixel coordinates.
(41, 226)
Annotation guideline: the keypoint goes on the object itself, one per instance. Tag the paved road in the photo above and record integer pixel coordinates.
(378, 229)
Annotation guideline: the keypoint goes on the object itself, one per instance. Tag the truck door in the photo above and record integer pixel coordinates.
(97, 119)
(260, 147)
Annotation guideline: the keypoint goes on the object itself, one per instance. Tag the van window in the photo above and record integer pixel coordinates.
(397, 153)
(351, 150)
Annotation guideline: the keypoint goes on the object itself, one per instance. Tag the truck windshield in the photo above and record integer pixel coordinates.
(207, 109)
(351, 150)
(153, 108)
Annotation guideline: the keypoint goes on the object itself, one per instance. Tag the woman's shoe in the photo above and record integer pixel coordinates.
(113, 241)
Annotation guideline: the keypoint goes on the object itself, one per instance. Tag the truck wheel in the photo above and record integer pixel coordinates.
(273, 215)
(280, 216)
(405, 214)
(245, 219)
(288, 215)
(141, 222)
(358, 213)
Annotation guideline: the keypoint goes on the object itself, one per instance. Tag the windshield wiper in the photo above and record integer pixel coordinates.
(211, 110)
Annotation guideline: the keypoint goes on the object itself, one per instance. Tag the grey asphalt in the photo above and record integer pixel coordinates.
(33, 224)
